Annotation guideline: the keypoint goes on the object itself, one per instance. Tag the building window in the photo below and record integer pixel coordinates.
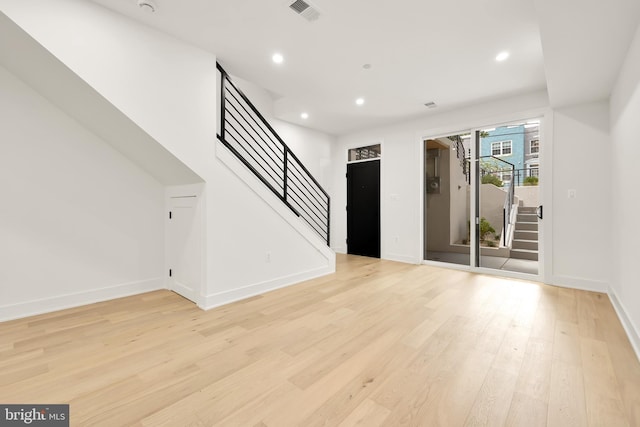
(533, 171)
(502, 148)
(534, 146)
(364, 153)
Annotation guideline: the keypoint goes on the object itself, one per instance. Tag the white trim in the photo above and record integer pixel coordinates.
(76, 299)
(448, 265)
(579, 283)
(627, 324)
(226, 297)
(180, 191)
(402, 258)
(373, 159)
(342, 249)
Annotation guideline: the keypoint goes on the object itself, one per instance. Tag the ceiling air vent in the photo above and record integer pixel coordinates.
(430, 104)
(305, 10)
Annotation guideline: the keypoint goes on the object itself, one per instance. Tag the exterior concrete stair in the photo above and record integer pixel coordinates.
(525, 238)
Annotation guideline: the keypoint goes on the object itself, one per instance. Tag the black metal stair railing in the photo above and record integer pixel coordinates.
(248, 135)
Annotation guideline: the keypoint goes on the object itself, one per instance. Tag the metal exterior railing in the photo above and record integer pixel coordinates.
(509, 198)
(248, 135)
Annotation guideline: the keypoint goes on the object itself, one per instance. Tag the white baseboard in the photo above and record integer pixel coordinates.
(226, 297)
(61, 302)
(579, 283)
(185, 291)
(402, 258)
(627, 324)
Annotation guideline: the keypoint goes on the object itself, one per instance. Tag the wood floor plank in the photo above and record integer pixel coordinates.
(526, 411)
(378, 343)
(567, 407)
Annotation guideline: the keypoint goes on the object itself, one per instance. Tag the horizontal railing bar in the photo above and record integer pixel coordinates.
(268, 143)
(292, 154)
(275, 160)
(271, 141)
(301, 204)
(259, 147)
(277, 178)
(320, 193)
(312, 200)
(257, 174)
(253, 108)
(293, 190)
(318, 228)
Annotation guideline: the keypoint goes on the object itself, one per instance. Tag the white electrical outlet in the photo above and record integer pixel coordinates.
(268, 257)
(572, 193)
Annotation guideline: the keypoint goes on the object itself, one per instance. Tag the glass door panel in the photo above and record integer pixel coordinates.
(447, 199)
(507, 197)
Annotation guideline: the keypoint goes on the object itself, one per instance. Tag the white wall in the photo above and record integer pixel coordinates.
(401, 201)
(164, 85)
(625, 151)
(577, 142)
(168, 88)
(79, 222)
(581, 225)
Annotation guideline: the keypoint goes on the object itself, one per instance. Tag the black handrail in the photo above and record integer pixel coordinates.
(250, 137)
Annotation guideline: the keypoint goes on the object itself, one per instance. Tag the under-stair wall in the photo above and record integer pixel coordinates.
(168, 89)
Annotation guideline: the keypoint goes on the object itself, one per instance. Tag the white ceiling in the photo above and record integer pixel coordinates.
(420, 51)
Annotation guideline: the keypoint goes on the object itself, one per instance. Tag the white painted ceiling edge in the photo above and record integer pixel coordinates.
(419, 51)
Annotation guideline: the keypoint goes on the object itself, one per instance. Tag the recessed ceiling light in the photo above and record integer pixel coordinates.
(304, 116)
(360, 101)
(502, 56)
(277, 58)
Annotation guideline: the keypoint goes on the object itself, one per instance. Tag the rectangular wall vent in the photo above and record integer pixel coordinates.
(304, 9)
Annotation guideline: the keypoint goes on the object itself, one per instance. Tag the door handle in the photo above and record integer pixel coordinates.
(539, 211)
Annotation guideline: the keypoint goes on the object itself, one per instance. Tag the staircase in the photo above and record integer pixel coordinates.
(525, 242)
(250, 137)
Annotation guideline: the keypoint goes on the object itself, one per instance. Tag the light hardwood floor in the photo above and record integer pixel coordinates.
(378, 343)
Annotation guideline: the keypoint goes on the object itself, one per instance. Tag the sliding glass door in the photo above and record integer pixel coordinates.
(486, 215)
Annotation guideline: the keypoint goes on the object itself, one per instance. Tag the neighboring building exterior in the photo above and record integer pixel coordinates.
(517, 145)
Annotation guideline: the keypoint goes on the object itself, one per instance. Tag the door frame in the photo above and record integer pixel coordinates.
(181, 191)
(545, 267)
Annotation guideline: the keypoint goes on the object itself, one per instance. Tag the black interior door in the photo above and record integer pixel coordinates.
(363, 208)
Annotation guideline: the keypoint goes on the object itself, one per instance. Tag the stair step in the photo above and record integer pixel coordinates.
(531, 245)
(526, 226)
(527, 217)
(524, 254)
(525, 235)
(527, 210)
